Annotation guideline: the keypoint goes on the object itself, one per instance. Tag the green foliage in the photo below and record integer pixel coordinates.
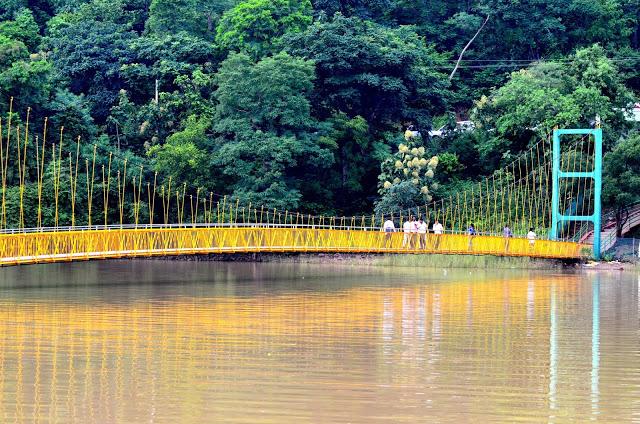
(172, 16)
(129, 13)
(23, 28)
(11, 51)
(408, 166)
(28, 81)
(160, 82)
(262, 139)
(357, 155)
(182, 157)
(399, 198)
(365, 9)
(449, 165)
(265, 134)
(88, 55)
(165, 58)
(198, 18)
(9, 7)
(256, 26)
(72, 111)
(270, 95)
(385, 75)
(621, 183)
(534, 100)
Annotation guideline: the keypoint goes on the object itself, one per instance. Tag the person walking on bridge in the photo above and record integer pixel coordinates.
(507, 234)
(389, 228)
(531, 236)
(438, 229)
(422, 233)
(408, 228)
(471, 231)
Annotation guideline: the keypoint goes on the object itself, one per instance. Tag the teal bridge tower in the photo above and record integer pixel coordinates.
(558, 216)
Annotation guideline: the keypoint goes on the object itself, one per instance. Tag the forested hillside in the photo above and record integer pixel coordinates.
(303, 104)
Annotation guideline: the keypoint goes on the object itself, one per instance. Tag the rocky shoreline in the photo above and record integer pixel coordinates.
(609, 266)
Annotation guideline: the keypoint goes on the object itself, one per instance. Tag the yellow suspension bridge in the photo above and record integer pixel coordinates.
(61, 201)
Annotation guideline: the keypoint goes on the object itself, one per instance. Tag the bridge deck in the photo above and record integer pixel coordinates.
(64, 246)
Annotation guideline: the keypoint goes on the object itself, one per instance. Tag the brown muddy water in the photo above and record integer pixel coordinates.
(182, 342)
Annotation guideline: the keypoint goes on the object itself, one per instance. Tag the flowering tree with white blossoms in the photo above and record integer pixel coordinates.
(407, 179)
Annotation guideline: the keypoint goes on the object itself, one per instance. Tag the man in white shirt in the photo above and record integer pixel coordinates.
(414, 233)
(407, 228)
(388, 227)
(422, 233)
(532, 237)
(438, 229)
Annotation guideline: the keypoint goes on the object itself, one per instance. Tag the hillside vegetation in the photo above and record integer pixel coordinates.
(303, 104)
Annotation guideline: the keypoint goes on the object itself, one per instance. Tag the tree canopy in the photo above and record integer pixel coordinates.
(255, 27)
(303, 103)
(386, 75)
(621, 185)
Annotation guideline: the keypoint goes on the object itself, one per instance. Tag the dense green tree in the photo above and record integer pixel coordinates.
(516, 32)
(352, 180)
(164, 58)
(29, 82)
(23, 28)
(128, 13)
(9, 7)
(88, 55)
(262, 142)
(140, 126)
(270, 95)
(387, 76)
(409, 166)
(377, 10)
(11, 51)
(71, 111)
(398, 198)
(621, 185)
(42, 10)
(183, 156)
(572, 94)
(195, 17)
(256, 26)
(266, 142)
(171, 16)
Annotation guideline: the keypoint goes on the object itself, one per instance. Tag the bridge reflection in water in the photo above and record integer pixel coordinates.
(118, 242)
(492, 348)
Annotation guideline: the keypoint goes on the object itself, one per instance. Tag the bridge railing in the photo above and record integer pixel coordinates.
(56, 246)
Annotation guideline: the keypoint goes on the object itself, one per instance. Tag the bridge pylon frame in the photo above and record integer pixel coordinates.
(558, 216)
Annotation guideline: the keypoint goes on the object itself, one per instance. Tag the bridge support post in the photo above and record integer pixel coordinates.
(558, 216)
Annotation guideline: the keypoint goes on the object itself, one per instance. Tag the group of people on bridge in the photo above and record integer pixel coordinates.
(415, 233)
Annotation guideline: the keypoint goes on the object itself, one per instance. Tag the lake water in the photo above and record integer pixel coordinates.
(180, 342)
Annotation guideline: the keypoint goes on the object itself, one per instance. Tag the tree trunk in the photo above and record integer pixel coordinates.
(344, 175)
(622, 216)
(466, 47)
